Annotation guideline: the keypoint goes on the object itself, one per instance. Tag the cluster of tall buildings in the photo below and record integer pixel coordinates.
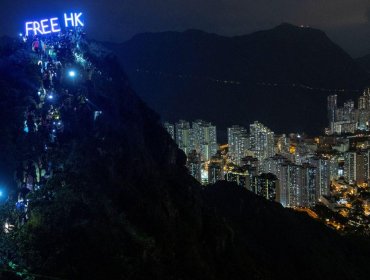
(259, 142)
(198, 140)
(285, 169)
(348, 119)
(300, 185)
(294, 170)
(280, 168)
(200, 136)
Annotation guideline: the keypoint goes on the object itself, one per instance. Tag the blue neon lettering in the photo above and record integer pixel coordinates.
(44, 26)
(54, 24)
(36, 27)
(77, 20)
(28, 28)
(67, 19)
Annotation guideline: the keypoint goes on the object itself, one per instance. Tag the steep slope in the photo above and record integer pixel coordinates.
(122, 205)
(364, 62)
(228, 80)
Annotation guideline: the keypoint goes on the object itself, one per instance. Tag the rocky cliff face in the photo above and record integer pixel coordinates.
(121, 205)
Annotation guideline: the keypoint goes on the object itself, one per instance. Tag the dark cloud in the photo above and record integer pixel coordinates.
(118, 20)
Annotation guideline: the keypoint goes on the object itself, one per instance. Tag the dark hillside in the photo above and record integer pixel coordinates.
(121, 205)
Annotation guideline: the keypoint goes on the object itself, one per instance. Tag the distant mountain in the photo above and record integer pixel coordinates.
(278, 76)
(364, 62)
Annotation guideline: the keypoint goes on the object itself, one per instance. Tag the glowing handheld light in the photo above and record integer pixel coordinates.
(72, 73)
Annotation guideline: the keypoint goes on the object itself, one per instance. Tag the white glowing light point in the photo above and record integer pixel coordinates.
(72, 74)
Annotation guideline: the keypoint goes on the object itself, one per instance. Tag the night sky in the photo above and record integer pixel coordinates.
(347, 22)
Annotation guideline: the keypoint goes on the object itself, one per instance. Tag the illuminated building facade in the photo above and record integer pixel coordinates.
(332, 106)
(215, 172)
(291, 178)
(184, 136)
(170, 128)
(266, 185)
(350, 166)
(261, 141)
(348, 119)
(356, 166)
(194, 165)
(309, 179)
(272, 164)
(238, 140)
(238, 175)
(322, 166)
(204, 138)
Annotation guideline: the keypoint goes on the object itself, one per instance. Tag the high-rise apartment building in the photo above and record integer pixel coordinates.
(261, 141)
(308, 188)
(291, 182)
(238, 175)
(204, 139)
(332, 106)
(350, 166)
(215, 172)
(194, 165)
(322, 166)
(184, 135)
(348, 119)
(356, 166)
(273, 164)
(170, 129)
(266, 185)
(238, 140)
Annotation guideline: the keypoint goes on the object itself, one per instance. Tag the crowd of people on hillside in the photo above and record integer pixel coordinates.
(60, 62)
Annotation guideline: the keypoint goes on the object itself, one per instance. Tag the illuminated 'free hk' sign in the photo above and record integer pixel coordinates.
(53, 25)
